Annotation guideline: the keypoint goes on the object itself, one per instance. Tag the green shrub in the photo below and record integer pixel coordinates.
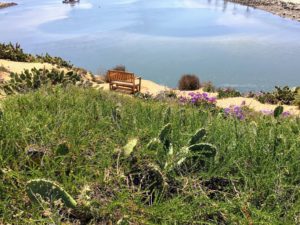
(228, 93)
(208, 87)
(119, 68)
(53, 60)
(16, 53)
(189, 82)
(280, 95)
(266, 97)
(297, 98)
(35, 79)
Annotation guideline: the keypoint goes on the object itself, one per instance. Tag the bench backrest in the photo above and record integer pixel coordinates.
(115, 75)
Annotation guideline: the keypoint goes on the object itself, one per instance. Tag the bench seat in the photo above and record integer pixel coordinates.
(124, 80)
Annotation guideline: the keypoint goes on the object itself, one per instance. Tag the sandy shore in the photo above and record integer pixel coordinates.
(284, 8)
(5, 4)
(150, 87)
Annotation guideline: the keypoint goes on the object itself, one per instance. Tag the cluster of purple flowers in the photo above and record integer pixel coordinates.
(235, 111)
(198, 99)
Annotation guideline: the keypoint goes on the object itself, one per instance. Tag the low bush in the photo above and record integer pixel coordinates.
(266, 97)
(189, 82)
(282, 95)
(228, 93)
(208, 87)
(120, 68)
(53, 60)
(16, 53)
(35, 79)
(297, 98)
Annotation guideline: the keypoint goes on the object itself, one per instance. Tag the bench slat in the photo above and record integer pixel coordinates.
(119, 79)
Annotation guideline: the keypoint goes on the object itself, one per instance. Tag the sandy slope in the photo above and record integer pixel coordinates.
(18, 67)
(154, 88)
(250, 102)
(254, 104)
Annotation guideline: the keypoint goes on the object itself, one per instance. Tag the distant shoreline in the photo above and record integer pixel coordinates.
(4, 5)
(284, 8)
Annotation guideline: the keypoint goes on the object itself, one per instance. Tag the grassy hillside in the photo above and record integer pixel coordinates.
(75, 137)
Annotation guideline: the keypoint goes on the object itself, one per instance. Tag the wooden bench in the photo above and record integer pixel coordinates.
(124, 81)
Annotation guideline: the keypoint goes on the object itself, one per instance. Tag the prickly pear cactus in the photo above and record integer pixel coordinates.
(130, 146)
(278, 111)
(165, 135)
(153, 144)
(63, 149)
(206, 149)
(197, 136)
(183, 153)
(167, 115)
(48, 190)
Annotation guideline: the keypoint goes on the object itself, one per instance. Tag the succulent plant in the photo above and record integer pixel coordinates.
(63, 149)
(205, 149)
(34, 79)
(165, 135)
(197, 136)
(129, 147)
(153, 144)
(15, 53)
(278, 111)
(49, 191)
(167, 115)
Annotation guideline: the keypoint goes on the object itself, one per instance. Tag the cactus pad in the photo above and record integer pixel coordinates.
(48, 190)
(167, 115)
(205, 149)
(197, 136)
(153, 144)
(130, 146)
(165, 135)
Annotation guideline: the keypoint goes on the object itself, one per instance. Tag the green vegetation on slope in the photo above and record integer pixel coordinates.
(75, 137)
(16, 53)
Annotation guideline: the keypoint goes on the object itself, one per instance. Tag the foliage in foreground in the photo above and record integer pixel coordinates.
(75, 138)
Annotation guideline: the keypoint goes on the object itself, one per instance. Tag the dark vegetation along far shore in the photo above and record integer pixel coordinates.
(7, 4)
(71, 154)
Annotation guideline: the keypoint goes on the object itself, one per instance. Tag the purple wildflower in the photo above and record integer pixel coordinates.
(286, 114)
(198, 99)
(235, 111)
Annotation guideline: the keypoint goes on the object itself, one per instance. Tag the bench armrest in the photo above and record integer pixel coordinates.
(140, 82)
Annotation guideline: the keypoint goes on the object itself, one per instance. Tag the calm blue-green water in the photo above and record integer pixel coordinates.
(228, 44)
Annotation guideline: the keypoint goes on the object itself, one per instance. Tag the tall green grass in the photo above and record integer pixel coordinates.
(255, 177)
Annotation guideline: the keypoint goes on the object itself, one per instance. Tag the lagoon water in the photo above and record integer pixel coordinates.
(226, 43)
